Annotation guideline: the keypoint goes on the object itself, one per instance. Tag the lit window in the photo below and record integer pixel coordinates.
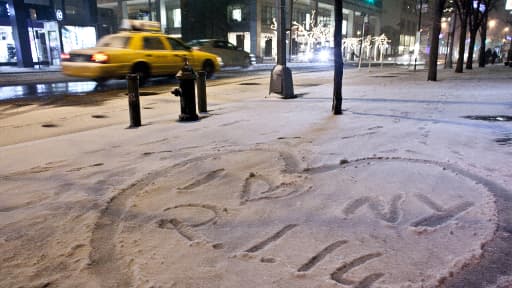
(236, 15)
(176, 17)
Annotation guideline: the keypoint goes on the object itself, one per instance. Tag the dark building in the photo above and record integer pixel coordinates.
(34, 32)
(39, 30)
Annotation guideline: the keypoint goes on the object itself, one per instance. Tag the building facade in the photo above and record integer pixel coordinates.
(35, 32)
(250, 24)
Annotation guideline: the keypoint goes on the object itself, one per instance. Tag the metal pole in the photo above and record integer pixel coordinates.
(290, 46)
(133, 100)
(281, 34)
(149, 8)
(201, 91)
(281, 81)
(338, 59)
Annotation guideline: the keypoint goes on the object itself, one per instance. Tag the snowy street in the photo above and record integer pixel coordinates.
(410, 187)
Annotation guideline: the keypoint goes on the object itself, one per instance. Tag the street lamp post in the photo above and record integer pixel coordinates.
(338, 59)
(290, 42)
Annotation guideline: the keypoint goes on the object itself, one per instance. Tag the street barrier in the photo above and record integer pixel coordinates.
(133, 100)
(201, 92)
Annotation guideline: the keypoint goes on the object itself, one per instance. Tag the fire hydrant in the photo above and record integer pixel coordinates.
(187, 93)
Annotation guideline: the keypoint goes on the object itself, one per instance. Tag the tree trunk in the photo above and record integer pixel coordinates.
(471, 49)
(462, 43)
(453, 26)
(483, 39)
(434, 41)
(338, 59)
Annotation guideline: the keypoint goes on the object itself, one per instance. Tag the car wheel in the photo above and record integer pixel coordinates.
(142, 70)
(247, 62)
(209, 68)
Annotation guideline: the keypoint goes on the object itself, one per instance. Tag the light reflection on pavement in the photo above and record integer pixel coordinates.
(45, 90)
(61, 87)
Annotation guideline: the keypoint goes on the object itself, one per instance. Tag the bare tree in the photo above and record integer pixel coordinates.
(475, 19)
(463, 8)
(338, 59)
(451, 34)
(489, 5)
(434, 40)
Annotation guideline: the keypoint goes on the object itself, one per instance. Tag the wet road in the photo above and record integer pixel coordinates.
(45, 90)
(77, 88)
(45, 85)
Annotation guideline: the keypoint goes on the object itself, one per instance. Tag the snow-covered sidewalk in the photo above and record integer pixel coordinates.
(399, 191)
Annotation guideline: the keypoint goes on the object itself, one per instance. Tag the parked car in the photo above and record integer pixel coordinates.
(231, 55)
(142, 50)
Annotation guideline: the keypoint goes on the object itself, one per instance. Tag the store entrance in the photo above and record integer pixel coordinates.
(44, 43)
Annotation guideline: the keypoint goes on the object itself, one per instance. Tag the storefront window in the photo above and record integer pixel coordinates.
(77, 37)
(176, 18)
(7, 50)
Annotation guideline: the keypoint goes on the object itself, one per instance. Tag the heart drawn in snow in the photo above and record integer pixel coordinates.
(257, 187)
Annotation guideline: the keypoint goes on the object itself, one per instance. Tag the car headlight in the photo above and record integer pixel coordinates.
(220, 61)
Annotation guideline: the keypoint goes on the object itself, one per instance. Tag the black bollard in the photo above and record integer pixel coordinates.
(201, 92)
(133, 100)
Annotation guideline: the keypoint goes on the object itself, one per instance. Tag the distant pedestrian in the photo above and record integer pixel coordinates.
(494, 56)
(488, 55)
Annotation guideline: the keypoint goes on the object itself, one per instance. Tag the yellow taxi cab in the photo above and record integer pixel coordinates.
(141, 50)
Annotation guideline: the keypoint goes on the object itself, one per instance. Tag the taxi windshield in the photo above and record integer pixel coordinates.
(114, 41)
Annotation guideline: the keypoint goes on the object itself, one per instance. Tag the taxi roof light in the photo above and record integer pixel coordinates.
(140, 25)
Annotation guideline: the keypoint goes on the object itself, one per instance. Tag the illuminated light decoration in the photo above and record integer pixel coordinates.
(324, 55)
(482, 5)
(59, 15)
(99, 57)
